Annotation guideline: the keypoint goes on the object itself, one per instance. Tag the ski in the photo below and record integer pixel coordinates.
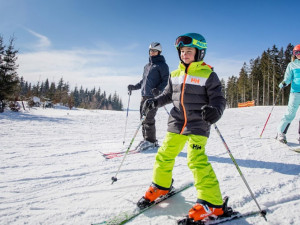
(221, 219)
(111, 155)
(125, 217)
(291, 146)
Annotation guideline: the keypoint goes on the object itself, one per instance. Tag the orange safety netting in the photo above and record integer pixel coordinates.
(246, 104)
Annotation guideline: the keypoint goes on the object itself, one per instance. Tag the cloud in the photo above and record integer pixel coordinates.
(43, 41)
(87, 63)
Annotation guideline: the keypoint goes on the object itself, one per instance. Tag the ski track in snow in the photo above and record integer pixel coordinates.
(52, 170)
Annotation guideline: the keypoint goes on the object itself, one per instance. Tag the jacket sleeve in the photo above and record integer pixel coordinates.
(164, 76)
(138, 85)
(214, 92)
(166, 97)
(288, 75)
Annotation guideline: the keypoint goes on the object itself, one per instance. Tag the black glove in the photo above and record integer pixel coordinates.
(210, 114)
(155, 91)
(149, 104)
(130, 88)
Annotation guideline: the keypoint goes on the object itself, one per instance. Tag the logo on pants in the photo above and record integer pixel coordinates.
(197, 147)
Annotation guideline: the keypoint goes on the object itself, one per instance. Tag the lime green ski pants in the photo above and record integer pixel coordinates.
(206, 182)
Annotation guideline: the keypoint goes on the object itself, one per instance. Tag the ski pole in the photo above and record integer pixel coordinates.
(166, 110)
(129, 94)
(270, 113)
(262, 212)
(114, 179)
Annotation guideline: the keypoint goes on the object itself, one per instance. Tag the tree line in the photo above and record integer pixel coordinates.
(259, 79)
(61, 93)
(13, 88)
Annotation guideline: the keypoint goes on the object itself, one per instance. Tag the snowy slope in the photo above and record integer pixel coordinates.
(52, 172)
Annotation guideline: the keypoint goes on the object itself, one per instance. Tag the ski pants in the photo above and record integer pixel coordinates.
(206, 182)
(148, 126)
(293, 105)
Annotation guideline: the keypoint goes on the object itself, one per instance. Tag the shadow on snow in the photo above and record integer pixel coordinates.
(284, 168)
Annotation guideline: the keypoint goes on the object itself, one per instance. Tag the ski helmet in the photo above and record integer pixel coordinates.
(296, 50)
(193, 40)
(155, 46)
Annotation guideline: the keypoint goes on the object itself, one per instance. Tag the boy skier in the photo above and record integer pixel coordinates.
(196, 93)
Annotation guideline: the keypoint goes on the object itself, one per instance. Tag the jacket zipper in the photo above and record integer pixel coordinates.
(181, 100)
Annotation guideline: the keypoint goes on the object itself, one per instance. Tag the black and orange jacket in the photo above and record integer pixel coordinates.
(190, 88)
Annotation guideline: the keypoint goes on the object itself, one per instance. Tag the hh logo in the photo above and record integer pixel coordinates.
(197, 147)
(195, 80)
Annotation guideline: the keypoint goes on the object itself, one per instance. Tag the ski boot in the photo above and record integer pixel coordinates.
(145, 145)
(153, 193)
(201, 212)
(281, 137)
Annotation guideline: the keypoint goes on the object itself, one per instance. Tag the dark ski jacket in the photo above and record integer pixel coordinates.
(190, 88)
(156, 75)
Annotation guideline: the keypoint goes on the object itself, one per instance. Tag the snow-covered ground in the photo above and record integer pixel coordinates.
(52, 171)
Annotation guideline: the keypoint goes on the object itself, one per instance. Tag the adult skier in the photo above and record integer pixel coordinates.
(196, 93)
(155, 79)
(291, 76)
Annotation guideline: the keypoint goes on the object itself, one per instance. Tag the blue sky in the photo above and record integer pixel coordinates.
(105, 42)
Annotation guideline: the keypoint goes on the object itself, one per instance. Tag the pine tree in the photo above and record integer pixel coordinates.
(256, 79)
(8, 72)
(242, 84)
(231, 92)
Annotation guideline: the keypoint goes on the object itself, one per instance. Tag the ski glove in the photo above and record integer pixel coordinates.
(155, 91)
(149, 105)
(282, 85)
(130, 88)
(210, 114)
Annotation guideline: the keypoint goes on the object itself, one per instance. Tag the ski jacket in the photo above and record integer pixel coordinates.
(156, 75)
(292, 75)
(190, 88)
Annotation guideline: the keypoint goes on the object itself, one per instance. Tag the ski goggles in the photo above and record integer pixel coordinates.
(296, 52)
(189, 42)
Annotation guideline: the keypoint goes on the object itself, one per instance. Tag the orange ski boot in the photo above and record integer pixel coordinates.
(202, 211)
(153, 193)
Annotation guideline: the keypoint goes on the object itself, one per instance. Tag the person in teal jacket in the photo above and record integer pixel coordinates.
(195, 91)
(292, 76)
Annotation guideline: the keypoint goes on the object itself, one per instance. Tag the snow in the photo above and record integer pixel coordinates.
(52, 170)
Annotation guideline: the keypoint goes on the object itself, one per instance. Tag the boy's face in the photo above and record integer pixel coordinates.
(187, 54)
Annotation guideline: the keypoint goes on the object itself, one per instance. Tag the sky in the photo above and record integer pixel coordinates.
(104, 43)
